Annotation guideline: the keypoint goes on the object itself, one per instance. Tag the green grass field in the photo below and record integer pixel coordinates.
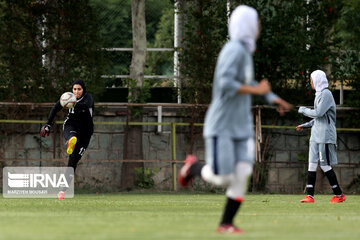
(176, 216)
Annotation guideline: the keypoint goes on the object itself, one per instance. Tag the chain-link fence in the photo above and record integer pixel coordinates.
(116, 32)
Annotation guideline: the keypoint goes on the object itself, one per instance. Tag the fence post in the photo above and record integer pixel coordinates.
(54, 140)
(159, 111)
(258, 141)
(173, 157)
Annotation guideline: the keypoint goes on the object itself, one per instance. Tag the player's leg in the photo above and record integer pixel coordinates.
(70, 134)
(74, 159)
(79, 150)
(221, 156)
(235, 193)
(328, 158)
(220, 161)
(218, 168)
(190, 170)
(311, 179)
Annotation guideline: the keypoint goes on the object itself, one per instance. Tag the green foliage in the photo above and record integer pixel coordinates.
(204, 34)
(116, 31)
(297, 38)
(345, 29)
(160, 34)
(348, 47)
(45, 46)
(137, 95)
(161, 63)
(155, 10)
(259, 184)
(144, 178)
(303, 156)
(115, 19)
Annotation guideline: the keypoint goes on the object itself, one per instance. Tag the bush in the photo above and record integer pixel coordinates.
(144, 178)
(45, 46)
(296, 39)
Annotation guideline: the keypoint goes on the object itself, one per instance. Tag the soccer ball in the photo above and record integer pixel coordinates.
(68, 100)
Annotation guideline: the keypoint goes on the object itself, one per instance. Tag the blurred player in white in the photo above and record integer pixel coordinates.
(78, 126)
(322, 146)
(228, 130)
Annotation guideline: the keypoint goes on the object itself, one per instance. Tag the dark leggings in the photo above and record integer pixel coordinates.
(83, 140)
(82, 143)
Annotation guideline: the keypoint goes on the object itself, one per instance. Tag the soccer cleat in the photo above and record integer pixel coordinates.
(184, 175)
(308, 199)
(338, 199)
(61, 195)
(229, 228)
(71, 145)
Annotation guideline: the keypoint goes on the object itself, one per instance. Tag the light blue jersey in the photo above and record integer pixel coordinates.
(229, 113)
(323, 128)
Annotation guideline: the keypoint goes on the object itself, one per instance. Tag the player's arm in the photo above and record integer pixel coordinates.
(231, 63)
(45, 130)
(55, 109)
(305, 125)
(259, 89)
(322, 107)
(282, 105)
(263, 88)
(87, 102)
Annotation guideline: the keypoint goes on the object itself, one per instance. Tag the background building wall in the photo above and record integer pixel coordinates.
(100, 168)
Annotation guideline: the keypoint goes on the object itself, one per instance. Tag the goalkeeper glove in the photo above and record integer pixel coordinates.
(45, 130)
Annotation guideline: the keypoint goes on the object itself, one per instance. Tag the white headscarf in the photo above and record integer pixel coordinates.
(319, 80)
(243, 26)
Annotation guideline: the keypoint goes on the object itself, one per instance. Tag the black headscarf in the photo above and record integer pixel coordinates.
(80, 82)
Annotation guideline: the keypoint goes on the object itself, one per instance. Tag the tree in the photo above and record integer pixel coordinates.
(204, 34)
(45, 46)
(133, 149)
(296, 38)
(348, 48)
(116, 32)
(161, 63)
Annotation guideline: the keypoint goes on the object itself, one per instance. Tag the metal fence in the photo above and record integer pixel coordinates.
(116, 32)
(173, 138)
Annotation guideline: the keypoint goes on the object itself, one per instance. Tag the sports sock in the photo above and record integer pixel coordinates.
(230, 210)
(310, 187)
(331, 176)
(195, 169)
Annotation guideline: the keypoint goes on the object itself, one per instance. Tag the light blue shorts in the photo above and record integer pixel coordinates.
(323, 152)
(223, 153)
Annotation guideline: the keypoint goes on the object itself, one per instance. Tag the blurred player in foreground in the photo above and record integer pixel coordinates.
(322, 146)
(228, 130)
(78, 126)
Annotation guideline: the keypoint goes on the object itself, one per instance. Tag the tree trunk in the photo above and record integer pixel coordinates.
(133, 148)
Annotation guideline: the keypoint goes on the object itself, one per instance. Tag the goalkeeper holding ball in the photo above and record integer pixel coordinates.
(78, 126)
(228, 130)
(322, 146)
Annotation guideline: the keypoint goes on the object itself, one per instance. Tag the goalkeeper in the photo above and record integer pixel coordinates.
(78, 126)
